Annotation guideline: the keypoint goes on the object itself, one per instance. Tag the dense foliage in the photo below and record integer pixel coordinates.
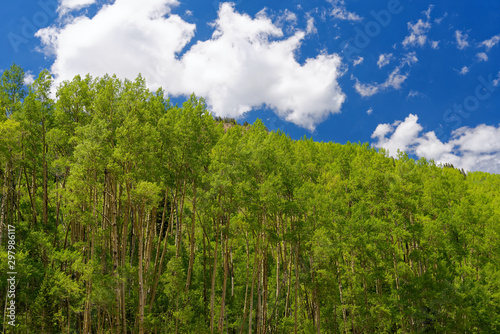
(136, 216)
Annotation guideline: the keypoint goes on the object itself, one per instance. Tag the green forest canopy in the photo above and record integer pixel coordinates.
(136, 216)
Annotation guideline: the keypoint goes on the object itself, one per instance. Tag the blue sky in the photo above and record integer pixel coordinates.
(411, 75)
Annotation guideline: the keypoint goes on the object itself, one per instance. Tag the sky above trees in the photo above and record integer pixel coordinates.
(409, 75)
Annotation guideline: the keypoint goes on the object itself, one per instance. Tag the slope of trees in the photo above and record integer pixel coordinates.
(136, 216)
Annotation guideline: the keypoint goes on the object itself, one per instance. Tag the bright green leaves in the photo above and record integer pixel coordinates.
(165, 219)
(10, 138)
(12, 91)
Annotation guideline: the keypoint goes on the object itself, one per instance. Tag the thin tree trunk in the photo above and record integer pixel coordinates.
(246, 285)
(256, 267)
(296, 286)
(344, 315)
(224, 284)
(5, 194)
(45, 185)
(191, 248)
(157, 274)
(214, 273)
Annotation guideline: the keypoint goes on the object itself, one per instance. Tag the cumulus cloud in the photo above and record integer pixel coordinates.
(461, 38)
(394, 80)
(247, 63)
(384, 59)
(469, 148)
(402, 135)
(369, 111)
(435, 45)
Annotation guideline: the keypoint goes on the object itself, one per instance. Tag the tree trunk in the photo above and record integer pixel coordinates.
(141, 279)
(214, 273)
(191, 248)
(45, 185)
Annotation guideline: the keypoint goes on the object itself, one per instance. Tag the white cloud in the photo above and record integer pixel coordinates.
(29, 78)
(284, 17)
(409, 59)
(461, 38)
(414, 93)
(427, 13)
(369, 111)
(435, 45)
(357, 61)
(340, 12)
(70, 5)
(366, 90)
(394, 80)
(464, 70)
(489, 43)
(247, 63)
(418, 33)
(440, 19)
(384, 59)
(469, 148)
(403, 135)
(482, 56)
(496, 81)
(311, 29)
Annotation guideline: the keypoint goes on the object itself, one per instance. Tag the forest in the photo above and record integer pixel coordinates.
(123, 213)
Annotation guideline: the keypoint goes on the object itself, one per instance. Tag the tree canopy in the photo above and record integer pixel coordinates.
(133, 215)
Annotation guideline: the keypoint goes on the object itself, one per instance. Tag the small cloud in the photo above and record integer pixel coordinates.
(369, 111)
(358, 61)
(366, 90)
(464, 70)
(482, 56)
(496, 82)
(427, 12)
(340, 12)
(414, 93)
(311, 29)
(29, 78)
(418, 33)
(188, 13)
(384, 59)
(394, 80)
(461, 39)
(489, 43)
(440, 19)
(409, 59)
(435, 45)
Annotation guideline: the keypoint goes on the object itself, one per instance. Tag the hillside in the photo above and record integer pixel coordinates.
(122, 213)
